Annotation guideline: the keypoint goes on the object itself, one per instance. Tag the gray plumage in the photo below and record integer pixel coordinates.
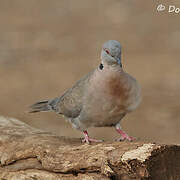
(69, 104)
(101, 98)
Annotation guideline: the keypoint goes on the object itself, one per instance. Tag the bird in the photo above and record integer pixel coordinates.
(99, 99)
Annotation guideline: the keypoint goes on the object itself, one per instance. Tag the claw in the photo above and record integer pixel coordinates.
(129, 138)
(88, 140)
(124, 136)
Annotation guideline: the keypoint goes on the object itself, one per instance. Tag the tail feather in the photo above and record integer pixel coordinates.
(40, 106)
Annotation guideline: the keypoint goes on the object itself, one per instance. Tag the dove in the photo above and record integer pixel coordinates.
(99, 99)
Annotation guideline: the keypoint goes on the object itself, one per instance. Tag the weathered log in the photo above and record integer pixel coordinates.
(29, 153)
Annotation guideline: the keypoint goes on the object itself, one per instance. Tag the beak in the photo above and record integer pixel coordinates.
(118, 60)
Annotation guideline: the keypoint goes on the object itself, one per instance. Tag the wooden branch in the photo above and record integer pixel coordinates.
(29, 153)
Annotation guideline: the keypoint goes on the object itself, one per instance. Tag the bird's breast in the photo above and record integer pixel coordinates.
(117, 86)
(109, 96)
(113, 91)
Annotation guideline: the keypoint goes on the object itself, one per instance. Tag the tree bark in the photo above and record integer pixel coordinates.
(29, 153)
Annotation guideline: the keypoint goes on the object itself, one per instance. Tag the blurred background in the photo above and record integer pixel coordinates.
(46, 46)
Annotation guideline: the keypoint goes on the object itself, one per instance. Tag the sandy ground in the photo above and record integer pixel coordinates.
(46, 46)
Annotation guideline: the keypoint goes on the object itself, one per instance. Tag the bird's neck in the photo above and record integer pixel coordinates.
(111, 67)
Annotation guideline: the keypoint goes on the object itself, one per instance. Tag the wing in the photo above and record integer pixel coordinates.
(71, 102)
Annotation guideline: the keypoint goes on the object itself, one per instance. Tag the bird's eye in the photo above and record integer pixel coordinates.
(107, 51)
(101, 66)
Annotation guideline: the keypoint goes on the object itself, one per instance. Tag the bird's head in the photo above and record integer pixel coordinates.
(111, 53)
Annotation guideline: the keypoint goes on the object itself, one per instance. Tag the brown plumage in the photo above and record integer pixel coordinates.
(101, 98)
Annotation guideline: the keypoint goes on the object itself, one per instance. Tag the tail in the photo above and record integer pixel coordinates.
(40, 106)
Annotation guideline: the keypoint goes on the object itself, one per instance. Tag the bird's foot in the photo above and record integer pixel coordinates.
(129, 138)
(124, 136)
(88, 140)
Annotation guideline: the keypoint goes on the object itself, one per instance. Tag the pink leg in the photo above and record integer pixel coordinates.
(124, 136)
(88, 140)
